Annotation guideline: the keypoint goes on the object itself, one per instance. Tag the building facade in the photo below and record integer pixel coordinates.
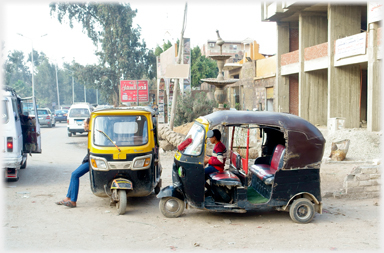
(328, 61)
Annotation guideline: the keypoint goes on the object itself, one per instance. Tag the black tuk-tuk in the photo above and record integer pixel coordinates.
(285, 177)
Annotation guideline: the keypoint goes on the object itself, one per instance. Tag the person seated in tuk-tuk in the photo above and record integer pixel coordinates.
(215, 162)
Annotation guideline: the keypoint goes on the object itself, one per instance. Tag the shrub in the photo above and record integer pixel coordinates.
(190, 107)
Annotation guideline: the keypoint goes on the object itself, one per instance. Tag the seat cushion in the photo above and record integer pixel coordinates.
(262, 171)
(278, 154)
(225, 178)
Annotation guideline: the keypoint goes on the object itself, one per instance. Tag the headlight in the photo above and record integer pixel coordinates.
(142, 163)
(98, 164)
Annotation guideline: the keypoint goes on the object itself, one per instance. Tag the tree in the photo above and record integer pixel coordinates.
(122, 56)
(159, 50)
(17, 75)
(201, 67)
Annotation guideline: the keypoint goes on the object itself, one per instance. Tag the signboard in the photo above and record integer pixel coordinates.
(375, 12)
(350, 46)
(130, 88)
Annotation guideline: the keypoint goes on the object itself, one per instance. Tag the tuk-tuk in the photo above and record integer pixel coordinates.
(124, 154)
(285, 176)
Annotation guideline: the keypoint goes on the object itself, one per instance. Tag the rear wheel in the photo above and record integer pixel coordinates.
(302, 210)
(69, 134)
(171, 207)
(24, 165)
(121, 205)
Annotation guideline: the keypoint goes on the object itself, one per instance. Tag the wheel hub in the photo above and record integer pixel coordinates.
(302, 211)
(172, 205)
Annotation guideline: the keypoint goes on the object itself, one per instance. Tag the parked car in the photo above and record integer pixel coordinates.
(46, 117)
(61, 115)
(76, 116)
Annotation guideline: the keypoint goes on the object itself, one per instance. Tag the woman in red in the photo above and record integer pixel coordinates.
(217, 161)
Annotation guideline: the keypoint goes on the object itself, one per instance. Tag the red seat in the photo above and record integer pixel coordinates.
(225, 178)
(266, 172)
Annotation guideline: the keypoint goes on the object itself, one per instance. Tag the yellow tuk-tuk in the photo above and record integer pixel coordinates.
(124, 154)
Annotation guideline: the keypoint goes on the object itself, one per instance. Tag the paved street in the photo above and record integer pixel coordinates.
(33, 222)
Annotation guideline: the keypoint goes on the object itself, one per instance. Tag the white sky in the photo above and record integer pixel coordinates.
(236, 20)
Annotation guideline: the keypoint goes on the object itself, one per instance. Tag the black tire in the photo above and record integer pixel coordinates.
(171, 207)
(69, 134)
(302, 210)
(74, 133)
(121, 205)
(24, 165)
(54, 124)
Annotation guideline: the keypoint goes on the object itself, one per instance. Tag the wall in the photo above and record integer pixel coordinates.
(363, 182)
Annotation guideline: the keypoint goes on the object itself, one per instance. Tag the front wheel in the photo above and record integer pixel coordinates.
(121, 205)
(69, 134)
(171, 207)
(302, 210)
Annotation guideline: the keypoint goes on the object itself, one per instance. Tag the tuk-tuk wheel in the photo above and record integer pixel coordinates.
(302, 210)
(171, 207)
(121, 205)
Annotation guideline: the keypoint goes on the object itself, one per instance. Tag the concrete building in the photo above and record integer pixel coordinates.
(328, 61)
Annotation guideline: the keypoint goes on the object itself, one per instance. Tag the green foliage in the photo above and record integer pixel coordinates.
(191, 107)
(122, 56)
(17, 74)
(159, 50)
(201, 67)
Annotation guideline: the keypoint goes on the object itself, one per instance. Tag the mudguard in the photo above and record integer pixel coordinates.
(170, 191)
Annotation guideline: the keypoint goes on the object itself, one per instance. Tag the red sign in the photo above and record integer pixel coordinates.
(130, 88)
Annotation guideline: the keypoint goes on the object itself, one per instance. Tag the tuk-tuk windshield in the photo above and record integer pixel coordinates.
(122, 130)
(197, 134)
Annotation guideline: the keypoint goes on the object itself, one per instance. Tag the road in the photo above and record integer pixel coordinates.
(33, 222)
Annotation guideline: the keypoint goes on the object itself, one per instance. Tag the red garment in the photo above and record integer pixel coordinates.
(218, 157)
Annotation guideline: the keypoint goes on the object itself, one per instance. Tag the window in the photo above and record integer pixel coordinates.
(79, 112)
(233, 47)
(211, 44)
(42, 112)
(197, 134)
(4, 116)
(120, 130)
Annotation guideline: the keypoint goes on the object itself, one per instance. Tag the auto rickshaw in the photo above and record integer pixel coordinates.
(285, 177)
(124, 154)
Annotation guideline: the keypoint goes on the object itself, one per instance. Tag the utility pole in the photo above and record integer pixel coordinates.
(57, 85)
(179, 58)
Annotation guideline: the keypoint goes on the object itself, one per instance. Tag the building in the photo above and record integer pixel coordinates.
(328, 61)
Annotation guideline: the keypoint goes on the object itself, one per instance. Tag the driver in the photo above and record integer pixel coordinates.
(217, 161)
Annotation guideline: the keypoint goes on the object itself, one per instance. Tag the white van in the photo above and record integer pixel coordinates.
(20, 133)
(76, 116)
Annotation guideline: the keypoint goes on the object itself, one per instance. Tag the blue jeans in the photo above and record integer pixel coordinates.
(209, 169)
(73, 189)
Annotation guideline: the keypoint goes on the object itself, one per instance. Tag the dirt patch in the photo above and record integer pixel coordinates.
(183, 129)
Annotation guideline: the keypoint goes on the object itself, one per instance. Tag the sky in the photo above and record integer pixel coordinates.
(159, 20)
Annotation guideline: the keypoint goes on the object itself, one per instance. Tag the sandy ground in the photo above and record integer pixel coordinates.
(32, 221)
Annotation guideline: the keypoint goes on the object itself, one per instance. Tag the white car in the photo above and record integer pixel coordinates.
(20, 133)
(76, 116)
